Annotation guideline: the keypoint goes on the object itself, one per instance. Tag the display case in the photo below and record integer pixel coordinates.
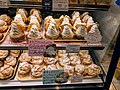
(99, 28)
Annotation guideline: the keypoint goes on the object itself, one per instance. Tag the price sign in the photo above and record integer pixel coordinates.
(92, 37)
(4, 3)
(37, 47)
(49, 76)
(46, 5)
(76, 78)
(72, 48)
(60, 5)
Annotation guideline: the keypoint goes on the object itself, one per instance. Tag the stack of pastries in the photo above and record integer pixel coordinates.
(8, 62)
(69, 28)
(5, 21)
(34, 28)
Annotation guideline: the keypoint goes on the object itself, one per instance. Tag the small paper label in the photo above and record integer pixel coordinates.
(92, 37)
(4, 3)
(37, 47)
(47, 5)
(76, 78)
(72, 48)
(49, 76)
(60, 5)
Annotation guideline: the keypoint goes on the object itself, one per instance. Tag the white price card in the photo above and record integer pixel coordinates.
(76, 78)
(4, 3)
(92, 37)
(60, 5)
(72, 48)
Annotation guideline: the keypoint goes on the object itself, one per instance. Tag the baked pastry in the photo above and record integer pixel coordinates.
(33, 20)
(64, 61)
(83, 52)
(69, 69)
(1, 36)
(47, 20)
(16, 33)
(34, 31)
(5, 18)
(51, 67)
(79, 69)
(1, 63)
(24, 68)
(3, 26)
(36, 13)
(84, 14)
(3, 54)
(60, 20)
(52, 32)
(74, 59)
(62, 53)
(85, 18)
(94, 29)
(6, 72)
(36, 71)
(15, 53)
(49, 61)
(76, 22)
(93, 70)
(37, 60)
(10, 60)
(25, 58)
(23, 12)
(75, 15)
(86, 60)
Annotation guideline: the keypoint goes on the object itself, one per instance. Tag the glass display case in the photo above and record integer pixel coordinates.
(87, 29)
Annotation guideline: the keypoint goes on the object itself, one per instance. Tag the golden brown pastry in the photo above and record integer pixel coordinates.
(47, 20)
(3, 26)
(36, 13)
(69, 69)
(93, 70)
(33, 19)
(94, 29)
(51, 67)
(83, 52)
(86, 60)
(84, 14)
(5, 18)
(62, 53)
(10, 60)
(6, 72)
(64, 61)
(25, 58)
(23, 12)
(60, 19)
(15, 53)
(1, 36)
(74, 59)
(1, 63)
(37, 60)
(75, 15)
(49, 61)
(79, 69)
(3, 54)
(24, 68)
(16, 33)
(36, 71)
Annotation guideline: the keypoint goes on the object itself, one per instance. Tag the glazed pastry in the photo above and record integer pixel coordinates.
(15, 53)
(18, 18)
(3, 54)
(66, 20)
(1, 36)
(79, 69)
(25, 58)
(34, 32)
(85, 18)
(84, 14)
(69, 69)
(83, 52)
(62, 53)
(10, 60)
(5, 18)
(76, 22)
(64, 61)
(94, 29)
(16, 34)
(3, 26)
(37, 60)
(74, 59)
(1, 63)
(49, 61)
(75, 15)
(60, 19)
(36, 71)
(51, 67)
(47, 20)
(6, 72)
(24, 68)
(24, 13)
(33, 20)
(86, 60)
(36, 13)
(52, 32)
(93, 70)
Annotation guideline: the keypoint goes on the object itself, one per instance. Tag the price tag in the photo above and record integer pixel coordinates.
(49, 76)
(76, 78)
(4, 3)
(72, 48)
(92, 37)
(60, 5)
(46, 5)
(37, 47)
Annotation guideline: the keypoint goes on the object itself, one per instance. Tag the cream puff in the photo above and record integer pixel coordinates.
(3, 54)
(36, 71)
(69, 69)
(25, 58)
(49, 61)
(37, 60)
(15, 53)
(6, 72)
(51, 67)
(64, 61)
(3, 26)
(24, 68)
(10, 60)
(79, 69)
(5, 18)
